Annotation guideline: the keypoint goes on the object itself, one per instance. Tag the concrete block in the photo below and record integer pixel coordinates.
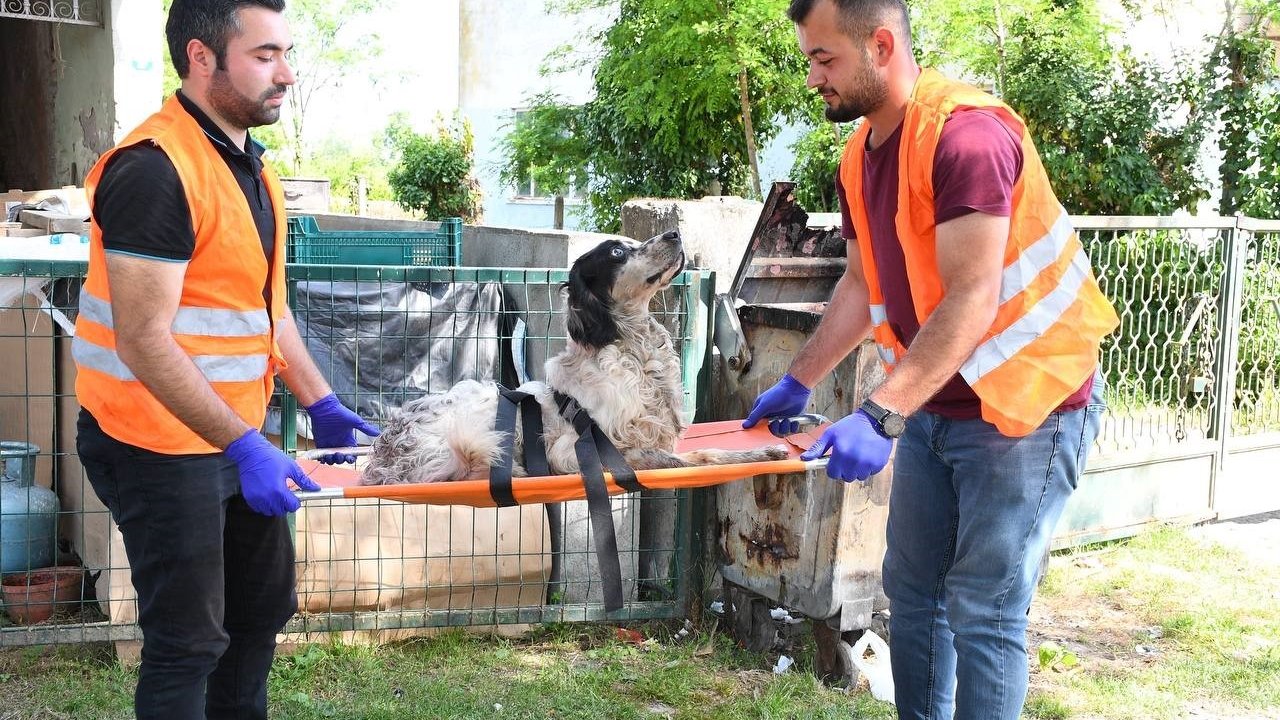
(716, 230)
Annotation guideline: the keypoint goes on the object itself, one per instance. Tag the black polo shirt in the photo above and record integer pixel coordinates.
(142, 209)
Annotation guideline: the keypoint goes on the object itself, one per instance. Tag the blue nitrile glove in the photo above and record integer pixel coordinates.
(858, 450)
(263, 471)
(333, 425)
(787, 397)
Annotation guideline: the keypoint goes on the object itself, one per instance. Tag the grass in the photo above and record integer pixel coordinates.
(556, 672)
(1165, 625)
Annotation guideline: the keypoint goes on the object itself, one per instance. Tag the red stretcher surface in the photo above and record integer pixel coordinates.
(340, 481)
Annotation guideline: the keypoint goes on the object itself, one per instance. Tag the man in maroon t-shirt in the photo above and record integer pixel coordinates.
(971, 510)
(977, 162)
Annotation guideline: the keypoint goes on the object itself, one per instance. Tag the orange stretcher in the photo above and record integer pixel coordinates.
(344, 482)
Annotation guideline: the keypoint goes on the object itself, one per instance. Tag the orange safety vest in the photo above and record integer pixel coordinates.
(1043, 344)
(222, 320)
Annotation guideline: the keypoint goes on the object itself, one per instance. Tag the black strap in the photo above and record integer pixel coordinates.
(534, 450)
(591, 445)
(607, 453)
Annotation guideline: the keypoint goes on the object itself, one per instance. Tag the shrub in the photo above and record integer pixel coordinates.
(435, 173)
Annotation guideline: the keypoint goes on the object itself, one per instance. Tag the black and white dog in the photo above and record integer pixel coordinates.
(619, 365)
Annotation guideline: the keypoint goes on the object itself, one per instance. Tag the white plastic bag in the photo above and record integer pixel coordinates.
(875, 668)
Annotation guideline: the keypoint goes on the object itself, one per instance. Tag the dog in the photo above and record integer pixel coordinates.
(619, 365)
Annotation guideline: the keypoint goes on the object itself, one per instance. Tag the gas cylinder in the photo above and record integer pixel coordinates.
(28, 514)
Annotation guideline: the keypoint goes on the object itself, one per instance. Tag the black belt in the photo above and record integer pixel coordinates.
(535, 447)
(595, 452)
(534, 458)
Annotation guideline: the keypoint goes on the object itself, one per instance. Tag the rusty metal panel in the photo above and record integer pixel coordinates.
(804, 540)
(788, 260)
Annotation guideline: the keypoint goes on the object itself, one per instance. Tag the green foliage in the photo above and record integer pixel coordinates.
(1242, 82)
(171, 82)
(546, 143)
(817, 155)
(1113, 131)
(666, 118)
(345, 166)
(1052, 656)
(434, 175)
(326, 53)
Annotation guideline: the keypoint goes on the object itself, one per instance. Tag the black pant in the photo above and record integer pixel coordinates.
(215, 580)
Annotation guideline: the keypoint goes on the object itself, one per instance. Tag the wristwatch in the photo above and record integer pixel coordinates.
(892, 424)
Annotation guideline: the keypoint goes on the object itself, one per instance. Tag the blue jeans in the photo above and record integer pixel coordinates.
(215, 580)
(970, 517)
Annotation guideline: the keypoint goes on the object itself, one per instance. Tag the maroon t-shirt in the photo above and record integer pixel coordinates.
(976, 164)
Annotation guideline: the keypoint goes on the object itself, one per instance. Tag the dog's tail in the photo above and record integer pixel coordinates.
(449, 448)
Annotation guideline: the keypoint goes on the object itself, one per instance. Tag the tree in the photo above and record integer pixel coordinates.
(817, 159)
(324, 55)
(676, 86)
(1242, 81)
(349, 169)
(1117, 135)
(435, 173)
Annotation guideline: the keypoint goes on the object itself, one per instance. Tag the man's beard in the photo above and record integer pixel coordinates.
(239, 110)
(870, 94)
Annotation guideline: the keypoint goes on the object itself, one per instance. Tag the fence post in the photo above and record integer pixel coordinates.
(1228, 350)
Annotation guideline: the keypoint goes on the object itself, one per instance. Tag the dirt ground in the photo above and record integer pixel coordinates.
(1110, 633)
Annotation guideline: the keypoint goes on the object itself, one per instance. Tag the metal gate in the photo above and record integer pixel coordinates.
(1193, 392)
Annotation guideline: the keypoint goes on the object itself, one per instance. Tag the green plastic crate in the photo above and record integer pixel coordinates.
(309, 245)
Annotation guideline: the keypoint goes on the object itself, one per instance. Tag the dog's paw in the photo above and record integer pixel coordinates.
(775, 452)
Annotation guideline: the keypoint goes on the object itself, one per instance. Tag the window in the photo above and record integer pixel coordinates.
(526, 187)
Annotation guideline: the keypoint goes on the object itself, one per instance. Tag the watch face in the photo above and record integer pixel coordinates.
(894, 424)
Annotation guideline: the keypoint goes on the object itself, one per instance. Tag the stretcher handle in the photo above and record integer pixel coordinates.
(792, 424)
(319, 453)
(556, 486)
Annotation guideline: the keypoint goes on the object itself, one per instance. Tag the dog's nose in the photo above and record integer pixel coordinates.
(671, 235)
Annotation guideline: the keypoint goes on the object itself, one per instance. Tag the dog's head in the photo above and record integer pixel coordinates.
(618, 277)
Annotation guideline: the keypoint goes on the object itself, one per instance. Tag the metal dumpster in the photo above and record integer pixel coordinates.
(806, 542)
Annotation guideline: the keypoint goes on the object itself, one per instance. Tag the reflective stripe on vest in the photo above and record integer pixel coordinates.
(209, 322)
(215, 368)
(188, 320)
(1038, 319)
(880, 326)
(1035, 258)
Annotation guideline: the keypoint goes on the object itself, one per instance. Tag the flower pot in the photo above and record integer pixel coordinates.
(31, 597)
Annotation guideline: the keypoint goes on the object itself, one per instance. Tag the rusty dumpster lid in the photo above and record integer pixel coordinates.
(791, 264)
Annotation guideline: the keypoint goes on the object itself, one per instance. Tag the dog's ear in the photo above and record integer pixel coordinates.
(588, 318)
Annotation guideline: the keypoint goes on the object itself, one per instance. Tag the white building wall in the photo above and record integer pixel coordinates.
(108, 80)
(502, 45)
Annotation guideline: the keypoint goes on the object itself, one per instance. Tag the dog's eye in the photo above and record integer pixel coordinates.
(618, 253)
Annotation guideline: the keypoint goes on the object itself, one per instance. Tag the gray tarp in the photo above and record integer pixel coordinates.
(381, 345)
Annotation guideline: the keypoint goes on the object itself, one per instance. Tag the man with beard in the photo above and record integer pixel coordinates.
(181, 331)
(964, 269)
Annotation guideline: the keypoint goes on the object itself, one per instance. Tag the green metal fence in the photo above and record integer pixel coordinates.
(371, 566)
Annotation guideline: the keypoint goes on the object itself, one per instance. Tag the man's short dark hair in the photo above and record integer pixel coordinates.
(858, 18)
(212, 22)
